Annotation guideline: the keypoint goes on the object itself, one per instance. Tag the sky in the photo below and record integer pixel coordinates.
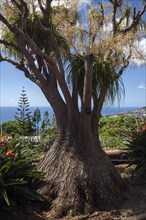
(12, 81)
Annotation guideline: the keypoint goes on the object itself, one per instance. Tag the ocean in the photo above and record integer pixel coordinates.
(8, 113)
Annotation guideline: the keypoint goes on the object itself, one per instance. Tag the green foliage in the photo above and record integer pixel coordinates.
(53, 122)
(11, 128)
(33, 29)
(23, 114)
(47, 138)
(136, 147)
(46, 121)
(113, 130)
(36, 120)
(103, 71)
(17, 176)
(24, 148)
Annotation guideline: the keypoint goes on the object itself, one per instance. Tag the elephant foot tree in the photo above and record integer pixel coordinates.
(38, 39)
(78, 179)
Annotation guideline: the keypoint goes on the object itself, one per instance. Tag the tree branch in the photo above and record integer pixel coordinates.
(114, 10)
(45, 10)
(41, 6)
(24, 11)
(74, 86)
(10, 44)
(35, 50)
(21, 67)
(87, 92)
(136, 19)
(125, 64)
(55, 45)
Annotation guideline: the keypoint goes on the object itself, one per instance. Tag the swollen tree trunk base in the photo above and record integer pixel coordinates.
(79, 181)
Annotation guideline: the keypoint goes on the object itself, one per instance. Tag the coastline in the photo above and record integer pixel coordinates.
(7, 113)
(138, 113)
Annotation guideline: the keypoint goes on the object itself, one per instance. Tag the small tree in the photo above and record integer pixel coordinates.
(36, 120)
(53, 121)
(46, 121)
(23, 114)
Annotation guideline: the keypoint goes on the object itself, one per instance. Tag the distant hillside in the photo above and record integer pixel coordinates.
(138, 113)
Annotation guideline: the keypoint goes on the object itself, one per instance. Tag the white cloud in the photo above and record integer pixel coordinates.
(142, 45)
(138, 55)
(85, 2)
(57, 2)
(61, 2)
(137, 62)
(142, 86)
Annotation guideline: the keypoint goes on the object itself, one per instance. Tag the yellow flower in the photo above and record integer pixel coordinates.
(10, 153)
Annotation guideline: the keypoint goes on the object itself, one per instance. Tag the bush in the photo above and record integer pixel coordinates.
(137, 150)
(47, 139)
(11, 128)
(112, 130)
(17, 177)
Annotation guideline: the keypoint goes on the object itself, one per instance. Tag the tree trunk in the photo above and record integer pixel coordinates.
(80, 177)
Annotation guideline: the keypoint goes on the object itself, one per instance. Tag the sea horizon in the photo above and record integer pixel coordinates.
(7, 113)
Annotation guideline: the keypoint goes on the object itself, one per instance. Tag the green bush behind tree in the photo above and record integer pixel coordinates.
(114, 130)
(11, 128)
(136, 147)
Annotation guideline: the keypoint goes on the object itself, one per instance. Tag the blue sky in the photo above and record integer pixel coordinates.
(12, 81)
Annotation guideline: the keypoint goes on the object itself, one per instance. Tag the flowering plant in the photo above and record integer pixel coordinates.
(17, 175)
(137, 150)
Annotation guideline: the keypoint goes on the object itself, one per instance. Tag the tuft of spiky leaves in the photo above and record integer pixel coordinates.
(104, 77)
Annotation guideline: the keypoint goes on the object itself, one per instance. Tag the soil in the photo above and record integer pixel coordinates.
(133, 207)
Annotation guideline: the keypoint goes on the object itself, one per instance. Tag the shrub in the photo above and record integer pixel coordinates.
(47, 139)
(11, 128)
(136, 147)
(112, 130)
(17, 177)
